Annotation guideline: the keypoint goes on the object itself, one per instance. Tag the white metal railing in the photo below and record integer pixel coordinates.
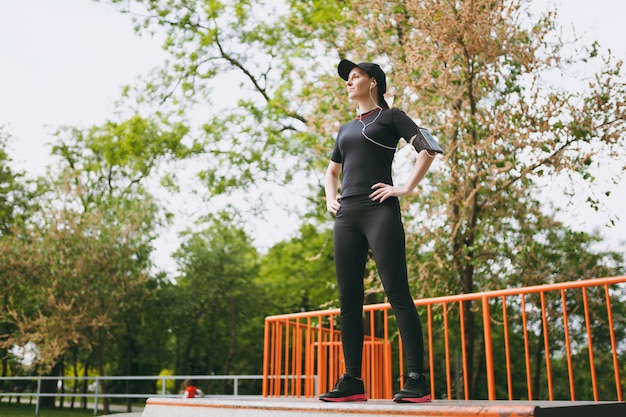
(95, 381)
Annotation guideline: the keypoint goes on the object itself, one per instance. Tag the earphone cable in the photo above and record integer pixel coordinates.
(370, 123)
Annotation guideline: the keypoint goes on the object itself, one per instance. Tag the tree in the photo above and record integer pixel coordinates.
(7, 180)
(232, 66)
(114, 163)
(13, 195)
(299, 273)
(473, 71)
(216, 298)
(16, 205)
(78, 270)
(86, 254)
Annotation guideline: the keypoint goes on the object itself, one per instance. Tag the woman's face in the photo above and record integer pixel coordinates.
(359, 84)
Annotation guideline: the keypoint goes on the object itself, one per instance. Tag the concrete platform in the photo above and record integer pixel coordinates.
(138, 414)
(306, 407)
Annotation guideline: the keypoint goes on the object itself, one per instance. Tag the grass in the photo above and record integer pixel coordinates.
(25, 410)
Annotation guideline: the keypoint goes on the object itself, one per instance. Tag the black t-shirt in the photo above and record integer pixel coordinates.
(365, 163)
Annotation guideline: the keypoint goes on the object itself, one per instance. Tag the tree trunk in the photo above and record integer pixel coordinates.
(5, 364)
(83, 400)
(470, 336)
(233, 340)
(75, 366)
(479, 368)
(61, 389)
(129, 366)
(49, 386)
(3, 351)
(467, 273)
(191, 341)
(100, 365)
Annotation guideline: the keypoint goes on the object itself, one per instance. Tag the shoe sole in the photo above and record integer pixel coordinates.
(356, 397)
(425, 399)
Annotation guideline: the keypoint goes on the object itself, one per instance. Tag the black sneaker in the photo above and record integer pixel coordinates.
(415, 390)
(347, 388)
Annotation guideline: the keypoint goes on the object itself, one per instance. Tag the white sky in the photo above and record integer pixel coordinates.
(64, 62)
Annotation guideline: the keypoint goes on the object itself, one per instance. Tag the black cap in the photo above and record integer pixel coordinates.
(374, 70)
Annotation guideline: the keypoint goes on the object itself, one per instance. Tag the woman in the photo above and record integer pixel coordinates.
(367, 216)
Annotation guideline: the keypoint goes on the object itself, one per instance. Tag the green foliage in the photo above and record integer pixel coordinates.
(16, 194)
(7, 185)
(299, 273)
(77, 269)
(169, 385)
(9, 207)
(215, 298)
(117, 157)
(25, 410)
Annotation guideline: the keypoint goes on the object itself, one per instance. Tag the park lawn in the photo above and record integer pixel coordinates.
(25, 410)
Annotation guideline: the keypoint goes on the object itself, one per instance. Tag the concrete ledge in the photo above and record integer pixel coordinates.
(137, 414)
(307, 407)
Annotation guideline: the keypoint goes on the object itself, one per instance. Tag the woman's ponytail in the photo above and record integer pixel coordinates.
(382, 102)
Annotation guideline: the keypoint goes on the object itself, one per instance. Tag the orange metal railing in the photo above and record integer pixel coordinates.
(529, 343)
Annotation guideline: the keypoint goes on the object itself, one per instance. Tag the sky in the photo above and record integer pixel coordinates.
(64, 62)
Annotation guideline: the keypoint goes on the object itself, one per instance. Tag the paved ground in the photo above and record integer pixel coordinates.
(120, 410)
(305, 407)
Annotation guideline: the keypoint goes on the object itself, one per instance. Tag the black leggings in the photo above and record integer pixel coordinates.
(361, 224)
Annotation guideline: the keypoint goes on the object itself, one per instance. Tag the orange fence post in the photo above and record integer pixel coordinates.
(286, 362)
(507, 349)
(446, 338)
(491, 380)
(464, 347)
(431, 353)
(388, 371)
(568, 349)
(279, 348)
(526, 348)
(592, 366)
(546, 345)
(609, 311)
(308, 364)
(297, 359)
(321, 358)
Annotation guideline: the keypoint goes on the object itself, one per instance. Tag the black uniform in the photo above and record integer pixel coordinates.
(362, 223)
